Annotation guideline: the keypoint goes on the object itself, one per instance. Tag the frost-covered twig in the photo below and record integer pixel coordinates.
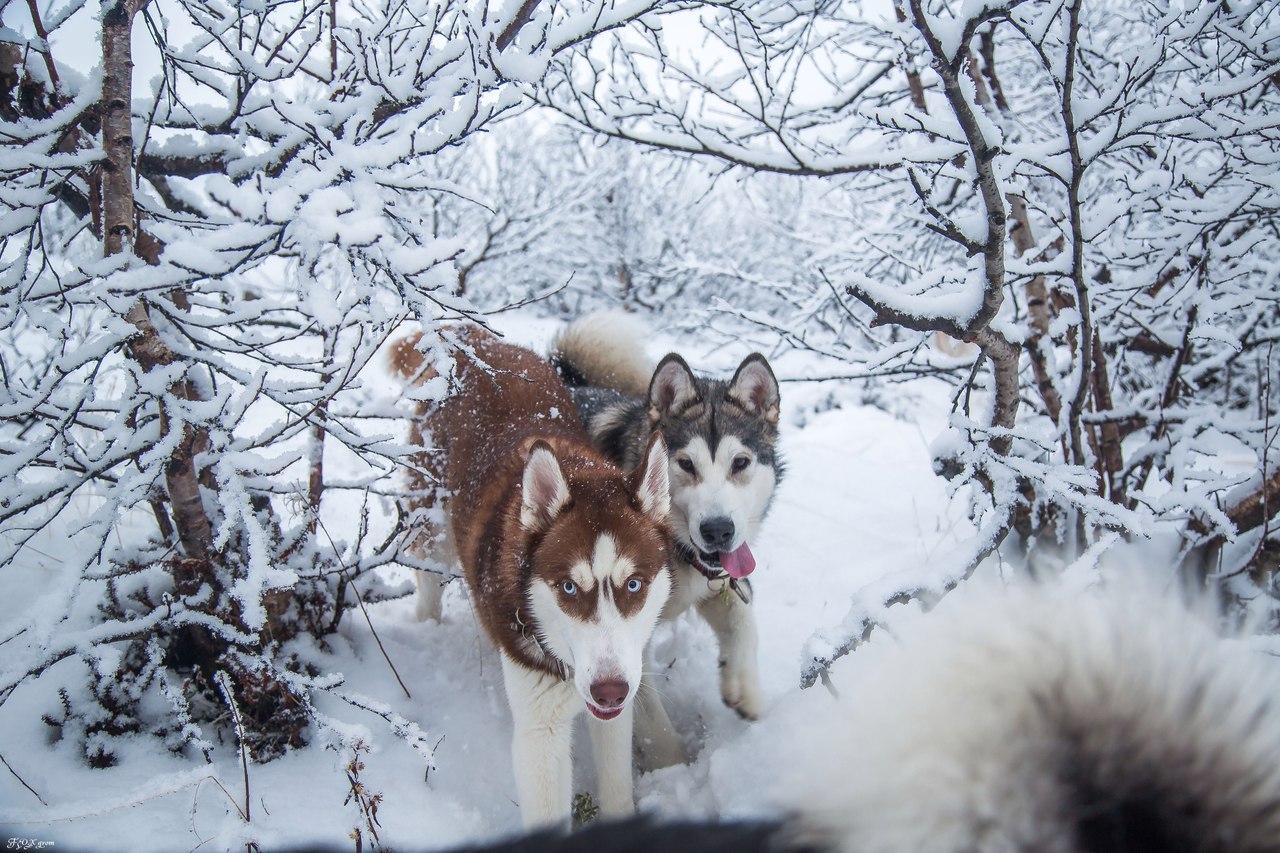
(367, 802)
(350, 583)
(872, 606)
(407, 730)
(228, 696)
(153, 789)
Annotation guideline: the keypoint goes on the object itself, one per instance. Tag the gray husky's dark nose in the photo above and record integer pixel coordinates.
(610, 693)
(717, 532)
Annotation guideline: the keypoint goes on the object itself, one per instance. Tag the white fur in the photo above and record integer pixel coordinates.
(953, 739)
(427, 604)
(542, 709)
(714, 490)
(656, 740)
(735, 628)
(611, 746)
(608, 646)
(440, 549)
(611, 645)
(734, 625)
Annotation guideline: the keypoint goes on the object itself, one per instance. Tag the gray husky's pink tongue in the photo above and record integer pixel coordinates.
(738, 563)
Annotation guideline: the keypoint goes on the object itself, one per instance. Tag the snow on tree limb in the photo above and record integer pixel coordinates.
(1131, 184)
(270, 217)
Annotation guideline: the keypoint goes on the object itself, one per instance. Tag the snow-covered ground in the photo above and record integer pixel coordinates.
(858, 503)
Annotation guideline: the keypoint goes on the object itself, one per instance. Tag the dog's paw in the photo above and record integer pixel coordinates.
(741, 692)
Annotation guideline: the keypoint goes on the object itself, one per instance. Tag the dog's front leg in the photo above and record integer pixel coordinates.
(611, 744)
(657, 743)
(542, 708)
(735, 628)
(430, 591)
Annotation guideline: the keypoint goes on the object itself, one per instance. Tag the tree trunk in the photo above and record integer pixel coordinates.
(1024, 239)
(119, 236)
(1110, 452)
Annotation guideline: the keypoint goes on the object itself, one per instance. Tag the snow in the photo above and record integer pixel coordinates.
(956, 305)
(858, 504)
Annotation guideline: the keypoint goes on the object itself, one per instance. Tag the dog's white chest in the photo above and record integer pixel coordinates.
(689, 588)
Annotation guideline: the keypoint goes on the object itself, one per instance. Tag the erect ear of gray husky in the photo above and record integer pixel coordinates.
(672, 389)
(755, 388)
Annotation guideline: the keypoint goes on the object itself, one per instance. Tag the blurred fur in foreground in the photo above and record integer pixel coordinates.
(1042, 719)
(1032, 720)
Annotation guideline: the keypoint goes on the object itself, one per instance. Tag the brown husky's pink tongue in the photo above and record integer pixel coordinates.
(738, 563)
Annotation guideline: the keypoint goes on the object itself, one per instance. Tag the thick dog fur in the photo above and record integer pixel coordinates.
(1035, 720)
(1049, 720)
(617, 357)
(721, 438)
(566, 557)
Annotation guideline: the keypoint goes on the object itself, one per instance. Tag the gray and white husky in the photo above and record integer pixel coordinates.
(721, 436)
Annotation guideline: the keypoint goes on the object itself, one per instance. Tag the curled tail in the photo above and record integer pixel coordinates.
(1048, 720)
(604, 349)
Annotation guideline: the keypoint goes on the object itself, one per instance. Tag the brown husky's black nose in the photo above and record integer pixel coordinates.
(717, 533)
(610, 693)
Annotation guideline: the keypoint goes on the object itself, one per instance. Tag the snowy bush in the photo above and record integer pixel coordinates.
(1084, 191)
(198, 269)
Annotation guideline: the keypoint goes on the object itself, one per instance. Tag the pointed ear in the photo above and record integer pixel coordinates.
(544, 491)
(755, 388)
(672, 386)
(653, 489)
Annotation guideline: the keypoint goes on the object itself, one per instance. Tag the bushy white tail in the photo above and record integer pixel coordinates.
(604, 349)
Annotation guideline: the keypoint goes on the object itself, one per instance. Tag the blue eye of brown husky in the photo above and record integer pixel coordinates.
(633, 585)
(569, 587)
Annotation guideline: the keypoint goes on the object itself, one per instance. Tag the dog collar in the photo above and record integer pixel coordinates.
(713, 573)
(533, 643)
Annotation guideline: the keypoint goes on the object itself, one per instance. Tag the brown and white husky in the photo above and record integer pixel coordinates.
(724, 468)
(566, 557)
